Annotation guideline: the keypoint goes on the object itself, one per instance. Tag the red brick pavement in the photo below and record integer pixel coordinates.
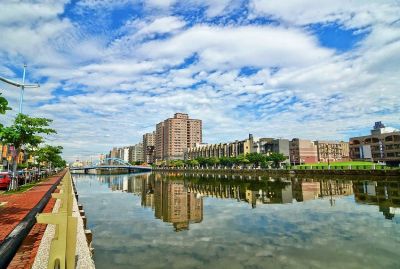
(20, 204)
(26, 253)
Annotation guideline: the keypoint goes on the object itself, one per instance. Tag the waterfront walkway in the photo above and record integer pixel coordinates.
(13, 210)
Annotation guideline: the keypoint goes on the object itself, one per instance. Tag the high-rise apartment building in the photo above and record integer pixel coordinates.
(148, 147)
(175, 135)
(302, 151)
(136, 153)
(159, 142)
(126, 154)
(114, 153)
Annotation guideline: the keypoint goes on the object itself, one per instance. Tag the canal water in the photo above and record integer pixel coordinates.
(214, 221)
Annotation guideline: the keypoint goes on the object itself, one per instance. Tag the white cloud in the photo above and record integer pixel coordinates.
(103, 91)
(233, 47)
(160, 3)
(353, 14)
(13, 12)
(162, 25)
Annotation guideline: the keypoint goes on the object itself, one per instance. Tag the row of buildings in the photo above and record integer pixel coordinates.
(180, 138)
(171, 138)
(131, 154)
(6, 157)
(296, 150)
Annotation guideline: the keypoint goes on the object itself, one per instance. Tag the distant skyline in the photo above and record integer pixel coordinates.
(111, 70)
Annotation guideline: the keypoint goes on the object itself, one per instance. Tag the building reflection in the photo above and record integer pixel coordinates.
(178, 198)
(267, 190)
(384, 194)
(172, 201)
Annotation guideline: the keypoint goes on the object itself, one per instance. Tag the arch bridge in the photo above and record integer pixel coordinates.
(111, 165)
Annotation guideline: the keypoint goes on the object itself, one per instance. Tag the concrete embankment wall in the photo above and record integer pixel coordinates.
(83, 252)
(278, 172)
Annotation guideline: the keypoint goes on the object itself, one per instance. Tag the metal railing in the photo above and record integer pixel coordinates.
(63, 245)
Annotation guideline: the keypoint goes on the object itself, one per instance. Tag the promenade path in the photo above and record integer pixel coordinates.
(13, 209)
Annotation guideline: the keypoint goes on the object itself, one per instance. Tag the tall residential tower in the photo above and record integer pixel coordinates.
(175, 135)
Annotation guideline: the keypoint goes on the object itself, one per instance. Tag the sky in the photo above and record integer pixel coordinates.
(110, 70)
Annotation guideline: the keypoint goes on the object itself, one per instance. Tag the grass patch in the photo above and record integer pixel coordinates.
(339, 164)
(23, 188)
(342, 165)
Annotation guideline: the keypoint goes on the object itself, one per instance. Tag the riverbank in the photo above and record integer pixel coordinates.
(283, 172)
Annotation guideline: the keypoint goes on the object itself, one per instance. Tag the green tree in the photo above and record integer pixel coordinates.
(255, 158)
(3, 105)
(276, 158)
(179, 163)
(213, 161)
(193, 163)
(241, 159)
(202, 161)
(225, 161)
(25, 131)
(51, 155)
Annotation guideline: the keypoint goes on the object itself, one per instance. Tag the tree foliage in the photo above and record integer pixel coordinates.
(3, 105)
(51, 155)
(26, 131)
(255, 158)
(276, 158)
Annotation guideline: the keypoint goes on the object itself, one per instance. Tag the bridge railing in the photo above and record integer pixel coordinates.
(63, 245)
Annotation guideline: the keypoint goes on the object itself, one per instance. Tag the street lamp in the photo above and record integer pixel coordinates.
(20, 85)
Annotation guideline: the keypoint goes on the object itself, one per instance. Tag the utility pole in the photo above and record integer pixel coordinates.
(22, 86)
(19, 85)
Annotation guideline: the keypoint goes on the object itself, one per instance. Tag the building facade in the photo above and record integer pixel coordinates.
(239, 147)
(159, 142)
(136, 153)
(175, 135)
(270, 145)
(382, 145)
(149, 140)
(302, 151)
(230, 149)
(332, 151)
(6, 154)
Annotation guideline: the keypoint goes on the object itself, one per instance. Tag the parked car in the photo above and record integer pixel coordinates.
(5, 180)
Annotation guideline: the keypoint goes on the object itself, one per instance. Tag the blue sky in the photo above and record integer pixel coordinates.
(110, 70)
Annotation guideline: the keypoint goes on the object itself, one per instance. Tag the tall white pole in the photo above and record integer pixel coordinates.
(21, 100)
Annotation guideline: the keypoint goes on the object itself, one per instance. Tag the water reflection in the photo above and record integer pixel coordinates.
(171, 200)
(241, 222)
(385, 194)
(178, 198)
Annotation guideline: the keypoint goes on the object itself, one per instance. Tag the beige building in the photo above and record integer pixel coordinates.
(149, 140)
(302, 151)
(382, 145)
(159, 142)
(175, 135)
(332, 151)
(230, 149)
(136, 153)
(239, 147)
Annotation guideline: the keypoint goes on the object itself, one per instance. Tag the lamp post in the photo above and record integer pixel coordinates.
(20, 85)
